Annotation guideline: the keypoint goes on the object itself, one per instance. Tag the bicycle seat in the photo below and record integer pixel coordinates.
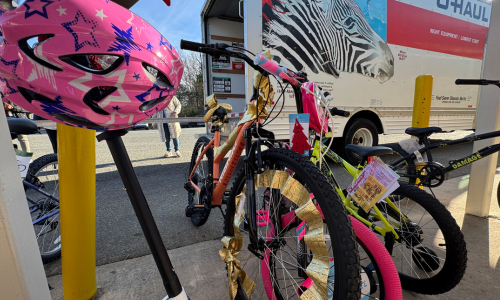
(422, 131)
(21, 126)
(364, 152)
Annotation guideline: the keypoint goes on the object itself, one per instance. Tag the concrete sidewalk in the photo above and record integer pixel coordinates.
(203, 274)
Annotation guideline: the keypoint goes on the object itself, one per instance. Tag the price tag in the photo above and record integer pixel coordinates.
(376, 182)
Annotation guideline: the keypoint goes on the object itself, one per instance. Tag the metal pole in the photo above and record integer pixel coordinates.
(124, 165)
(21, 270)
(422, 101)
(482, 172)
(76, 149)
(422, 104)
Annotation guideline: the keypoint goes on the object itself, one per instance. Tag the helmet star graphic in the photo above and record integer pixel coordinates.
(176, 65)
(121, 97)
(100, 14)
(14, 63)
(165, 43)
(9, 89)
(29, 12)
(83, 25)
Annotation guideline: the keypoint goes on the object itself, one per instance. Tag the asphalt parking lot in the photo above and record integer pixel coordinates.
(118, 234)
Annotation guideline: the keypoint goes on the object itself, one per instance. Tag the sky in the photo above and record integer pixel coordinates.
(180, 20)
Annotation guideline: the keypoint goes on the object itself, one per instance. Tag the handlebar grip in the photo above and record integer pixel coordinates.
(192, 46)
(337, 112)
(475, 82)
(275, 69)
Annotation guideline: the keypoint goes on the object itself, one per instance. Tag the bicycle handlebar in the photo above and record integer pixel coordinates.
(337, 112)
(477, 82)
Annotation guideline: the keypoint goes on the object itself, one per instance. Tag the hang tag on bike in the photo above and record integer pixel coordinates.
(374, 183)
(412, 145)
(419, 156)
(23, 161)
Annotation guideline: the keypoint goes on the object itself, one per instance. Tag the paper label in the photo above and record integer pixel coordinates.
(23, 161)
(299, 131)
(374, 183)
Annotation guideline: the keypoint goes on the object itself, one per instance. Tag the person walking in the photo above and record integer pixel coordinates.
(170, 131)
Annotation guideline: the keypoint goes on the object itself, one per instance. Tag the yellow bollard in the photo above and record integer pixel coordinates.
(422, 101)
(422, 104)
(76, 151)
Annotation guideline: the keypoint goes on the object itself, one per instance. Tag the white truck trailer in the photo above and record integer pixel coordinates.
(365, 53)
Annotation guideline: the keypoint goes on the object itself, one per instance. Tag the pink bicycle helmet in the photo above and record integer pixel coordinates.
(90, 63)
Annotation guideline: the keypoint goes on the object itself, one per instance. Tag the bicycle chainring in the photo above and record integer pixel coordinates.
(431, 174)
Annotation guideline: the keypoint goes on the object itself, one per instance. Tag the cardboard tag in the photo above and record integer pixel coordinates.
(376, 182)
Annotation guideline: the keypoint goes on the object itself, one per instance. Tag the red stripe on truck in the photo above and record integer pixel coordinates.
(419, 28)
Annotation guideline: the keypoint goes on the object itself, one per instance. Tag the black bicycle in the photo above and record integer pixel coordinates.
(412, 168)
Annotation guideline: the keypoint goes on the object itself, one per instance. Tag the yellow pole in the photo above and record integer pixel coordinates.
(76, 150)
(422, 103)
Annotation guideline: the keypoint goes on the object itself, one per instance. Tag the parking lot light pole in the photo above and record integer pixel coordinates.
(76, 150)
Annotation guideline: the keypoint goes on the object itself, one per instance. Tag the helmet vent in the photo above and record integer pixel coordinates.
(97, 94)
(101, 64)
(30, 96)
(156, 76)
(151, 103)
(27, 45)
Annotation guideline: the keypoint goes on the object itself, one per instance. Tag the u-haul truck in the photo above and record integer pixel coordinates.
(366, 54)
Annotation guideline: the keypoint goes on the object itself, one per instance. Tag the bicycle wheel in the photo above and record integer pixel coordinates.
(379, 276)
(406, 167)
(43, 173)
(286, 252)
(202, 177)
(431, 255)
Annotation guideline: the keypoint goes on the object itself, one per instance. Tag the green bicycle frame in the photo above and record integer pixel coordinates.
(348, 202)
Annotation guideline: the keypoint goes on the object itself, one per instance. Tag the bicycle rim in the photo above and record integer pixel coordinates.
(44, 210)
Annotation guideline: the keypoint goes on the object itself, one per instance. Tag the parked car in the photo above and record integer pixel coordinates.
(140, 126)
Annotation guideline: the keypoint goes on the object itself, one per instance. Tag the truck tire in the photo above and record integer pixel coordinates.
(359, 132)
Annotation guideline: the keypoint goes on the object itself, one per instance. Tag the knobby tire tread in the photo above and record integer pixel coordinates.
(456, 251)
(344, 237)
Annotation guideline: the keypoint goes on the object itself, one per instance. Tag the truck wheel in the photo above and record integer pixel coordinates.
(360, 132)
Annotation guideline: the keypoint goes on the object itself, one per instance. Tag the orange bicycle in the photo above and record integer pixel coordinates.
(286, 212)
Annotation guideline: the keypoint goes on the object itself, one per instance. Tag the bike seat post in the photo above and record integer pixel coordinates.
(121, 158)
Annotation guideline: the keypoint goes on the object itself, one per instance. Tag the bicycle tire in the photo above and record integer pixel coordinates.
(406, 167)
(387, 274)
(445, 275)
(34, 171)
(343, 245)
(201, 143)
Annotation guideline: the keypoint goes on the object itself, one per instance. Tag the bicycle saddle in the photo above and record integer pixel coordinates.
(21, 126)
(422, 131)
(364, 152)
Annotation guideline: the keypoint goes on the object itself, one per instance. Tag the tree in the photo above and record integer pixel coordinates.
(299, 140)
(190, 92)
